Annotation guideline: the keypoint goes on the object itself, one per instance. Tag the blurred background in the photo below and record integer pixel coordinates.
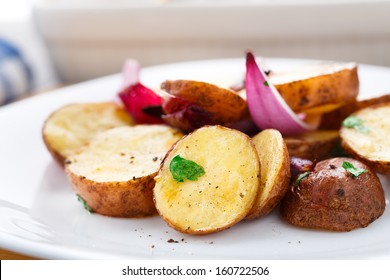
(47, 43)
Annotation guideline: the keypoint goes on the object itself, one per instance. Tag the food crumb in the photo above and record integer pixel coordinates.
(152, 246)
(170, 240)
(155, 158)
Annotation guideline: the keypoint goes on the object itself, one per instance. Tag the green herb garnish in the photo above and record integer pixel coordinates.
(356, 123)
(183, 169)
(86, 206)
(266, 83)
(301, 177)
(355, 172)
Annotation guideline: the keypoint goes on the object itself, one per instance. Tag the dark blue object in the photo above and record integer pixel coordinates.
(9, 89)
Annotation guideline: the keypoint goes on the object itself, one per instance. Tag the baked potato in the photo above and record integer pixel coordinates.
(313, 145)
(219, 196)
(224, 105)
(340, 194)
(275, 172)
(365, 136)
(114, 174)
(72, 126)
(333, 119)
(319, 88)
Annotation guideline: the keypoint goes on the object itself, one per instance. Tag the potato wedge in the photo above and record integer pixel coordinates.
(370, 142)
(333, 119)
(225, 105)
(115, 173)
(313, 145)
(275, 172)
(223, 195)
(71, 127)
(318, 88)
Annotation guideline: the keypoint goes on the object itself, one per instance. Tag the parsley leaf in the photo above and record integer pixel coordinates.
(356, 123)
(266, 83)
(183, 169)
(86, 206)
(301, 177)
(355, 172)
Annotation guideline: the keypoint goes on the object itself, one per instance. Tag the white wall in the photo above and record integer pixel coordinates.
(92, 38)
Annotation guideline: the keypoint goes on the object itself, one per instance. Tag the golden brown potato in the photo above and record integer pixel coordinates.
(115, 173)
(275, 172)
(318, 88)
(333, 119)
(331, 198)
(72, 126)
(225, 105)
(224, 192)
(365, 136)
(313, 145)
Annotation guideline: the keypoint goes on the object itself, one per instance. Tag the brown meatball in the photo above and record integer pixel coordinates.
(331, 198)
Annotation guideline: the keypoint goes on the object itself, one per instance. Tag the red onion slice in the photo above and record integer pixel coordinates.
(138, 99)
(266, 106)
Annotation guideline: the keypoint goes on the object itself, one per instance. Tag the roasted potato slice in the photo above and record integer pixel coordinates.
(223, 195)
(115, 173)
(330, 197)
(368, 139)
(275, 172)
(225, 105)
(333, 119)
(313, 145)
(318, 88)
(72, 126)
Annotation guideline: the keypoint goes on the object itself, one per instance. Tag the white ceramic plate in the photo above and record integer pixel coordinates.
(40, 216)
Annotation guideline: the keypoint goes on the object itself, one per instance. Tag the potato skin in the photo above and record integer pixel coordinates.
(115, 173)
(331, 199)
(336, 88)
(275, 172)
(313, 145)
(225, 105)
(133, 198)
